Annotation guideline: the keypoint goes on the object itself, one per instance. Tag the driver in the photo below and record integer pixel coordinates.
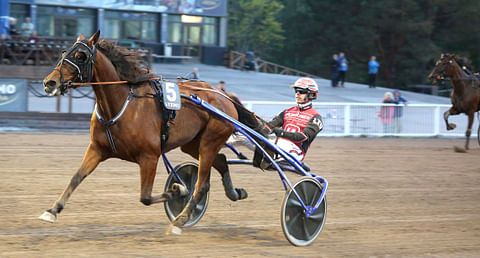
(297, 127)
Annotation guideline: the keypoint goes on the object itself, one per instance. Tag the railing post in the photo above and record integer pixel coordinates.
(59, 98)
(346, 125)
(436, 121)
(70, 100)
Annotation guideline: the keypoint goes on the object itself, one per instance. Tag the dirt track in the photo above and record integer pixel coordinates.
(387, 197)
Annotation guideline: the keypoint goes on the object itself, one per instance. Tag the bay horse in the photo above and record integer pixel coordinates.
(133, 132)
(465, 96)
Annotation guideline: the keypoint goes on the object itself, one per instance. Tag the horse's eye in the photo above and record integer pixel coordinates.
(81, 57)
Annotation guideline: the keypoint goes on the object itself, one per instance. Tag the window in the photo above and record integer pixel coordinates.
(19, 12)
(65, 22)
(190, 29)
(129, 25)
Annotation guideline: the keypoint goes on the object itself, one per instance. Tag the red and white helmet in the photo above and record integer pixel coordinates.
(308, 84)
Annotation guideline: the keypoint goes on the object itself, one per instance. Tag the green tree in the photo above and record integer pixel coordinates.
(397, 32)
(253, 26)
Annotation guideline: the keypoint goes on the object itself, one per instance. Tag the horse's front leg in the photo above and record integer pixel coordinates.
(469, 128)
(446, 114)
(90, 161)
(148, 171)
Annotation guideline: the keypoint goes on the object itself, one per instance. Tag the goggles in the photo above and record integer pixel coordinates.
(301, 91)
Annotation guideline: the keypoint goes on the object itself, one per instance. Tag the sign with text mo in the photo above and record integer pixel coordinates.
(13, 95)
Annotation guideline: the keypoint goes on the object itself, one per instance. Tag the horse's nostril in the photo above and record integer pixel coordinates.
(50, 83)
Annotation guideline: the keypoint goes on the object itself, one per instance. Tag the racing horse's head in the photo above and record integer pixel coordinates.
(75, 65)
(442, 68)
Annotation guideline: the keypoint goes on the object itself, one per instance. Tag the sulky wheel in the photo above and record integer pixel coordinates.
(188, 172)
(298, 229)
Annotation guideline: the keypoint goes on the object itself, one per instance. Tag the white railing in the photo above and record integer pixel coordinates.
(358, 119)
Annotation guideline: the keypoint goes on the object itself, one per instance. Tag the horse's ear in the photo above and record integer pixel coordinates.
(94, 38)
(81, 37)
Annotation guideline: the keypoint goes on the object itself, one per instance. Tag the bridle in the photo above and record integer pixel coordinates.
(470, 75)
(84, 67)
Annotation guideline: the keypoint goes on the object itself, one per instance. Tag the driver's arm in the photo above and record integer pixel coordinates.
(314, 126)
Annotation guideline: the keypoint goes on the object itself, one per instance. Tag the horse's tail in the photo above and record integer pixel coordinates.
(249, 118)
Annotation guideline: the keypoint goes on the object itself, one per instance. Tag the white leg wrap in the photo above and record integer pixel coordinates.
(47, 216)
(174, 230)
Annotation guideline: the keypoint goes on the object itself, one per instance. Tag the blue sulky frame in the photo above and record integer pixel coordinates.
(248, 132)
(299, 232)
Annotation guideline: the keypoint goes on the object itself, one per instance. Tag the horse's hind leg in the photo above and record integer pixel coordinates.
(90, 161)
(446, 114)
(208, 145)
(220, 164)
(469, 129)
(231, 192)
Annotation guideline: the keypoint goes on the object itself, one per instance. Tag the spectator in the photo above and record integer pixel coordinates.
(27, 27)
(194, 75)
(221, 86)
(251, 61)
(397, 116)
(13, 27)
(386, 113)
(334, 65)
(33, 38)
(342, 70)
(372, 71)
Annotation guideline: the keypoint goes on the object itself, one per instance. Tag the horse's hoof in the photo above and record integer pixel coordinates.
(242, 193)
(180, 189)
(451, 126)
(47, 216)
(459, 149)
(174, 230)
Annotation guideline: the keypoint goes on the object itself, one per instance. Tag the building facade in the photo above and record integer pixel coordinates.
(170, 27)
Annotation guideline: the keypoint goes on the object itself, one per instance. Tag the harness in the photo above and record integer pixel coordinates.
(168, 115)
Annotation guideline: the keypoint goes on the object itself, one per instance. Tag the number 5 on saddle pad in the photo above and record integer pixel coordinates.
(171, 96)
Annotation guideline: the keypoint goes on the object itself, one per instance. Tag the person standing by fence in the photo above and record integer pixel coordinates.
(397, 116)
(386, 113)
(334, 65)
(372, 71)
(342, 70)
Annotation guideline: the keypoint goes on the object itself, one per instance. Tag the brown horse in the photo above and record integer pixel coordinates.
(134, 131)
(465, 96)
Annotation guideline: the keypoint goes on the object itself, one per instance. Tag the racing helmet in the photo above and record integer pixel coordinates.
(309, 84)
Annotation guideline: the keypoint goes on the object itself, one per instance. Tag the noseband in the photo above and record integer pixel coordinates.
(84, 68)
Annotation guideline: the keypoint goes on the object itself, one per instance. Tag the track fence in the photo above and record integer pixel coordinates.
(358, 119)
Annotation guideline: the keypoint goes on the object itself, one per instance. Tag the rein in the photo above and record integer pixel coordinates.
(85, 84)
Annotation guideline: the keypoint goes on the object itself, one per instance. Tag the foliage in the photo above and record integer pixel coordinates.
(253, 26)
(406, 36)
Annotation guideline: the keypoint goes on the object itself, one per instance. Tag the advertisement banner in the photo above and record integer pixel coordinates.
(198, 7)
(13, 95)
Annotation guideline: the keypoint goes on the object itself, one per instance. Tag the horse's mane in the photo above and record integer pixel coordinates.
(464, 62)
(126, 62)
